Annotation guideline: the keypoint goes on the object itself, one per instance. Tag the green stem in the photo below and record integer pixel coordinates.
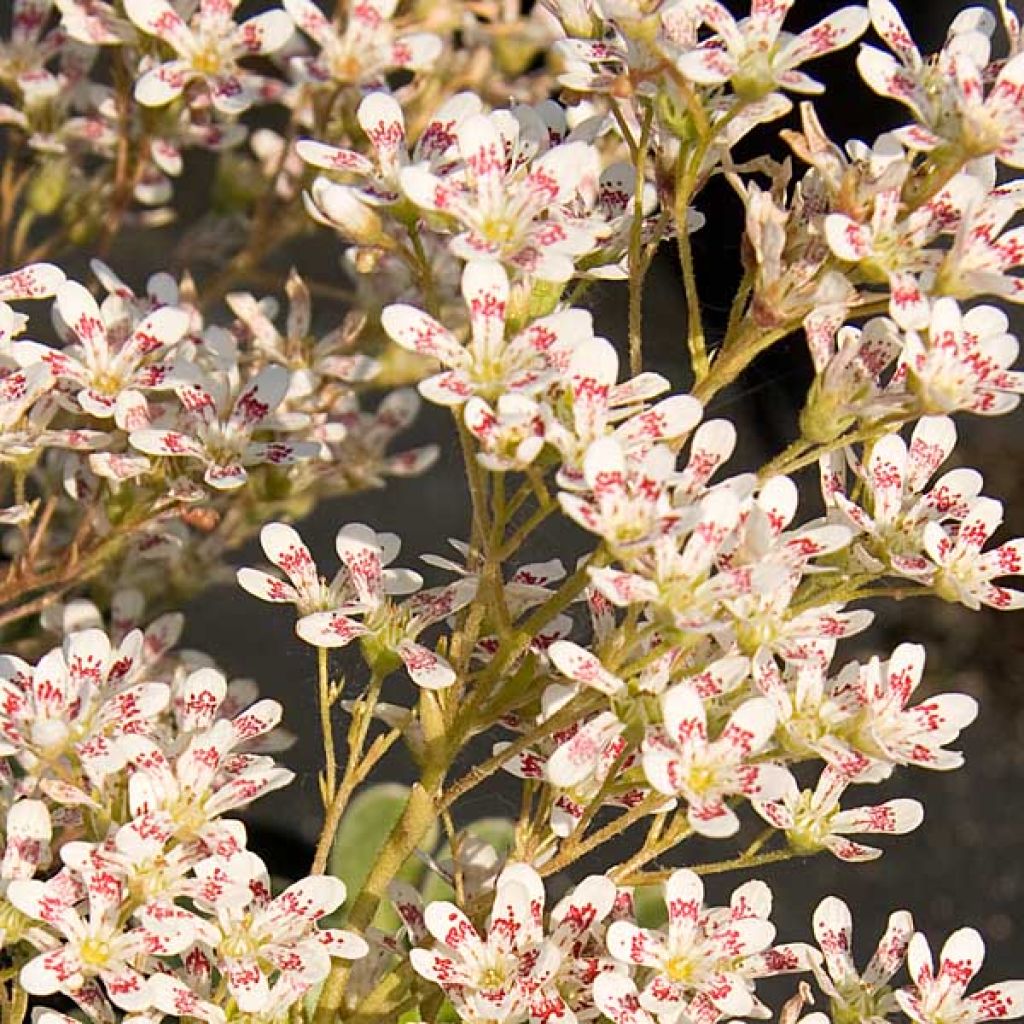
(516, 642)
(778, 465)
(426, 273)
(572, 712)
(384, 997)
(636, 269)
(685, 183)
(894, 593)
(667, 839)
(736, 355)
(801, 454)
(539, 515)
(22, 227)
(329, 781)
(357, 767)
(577, 847)
(743, 862)
(740, 863)
(411, 829)
(477, 487)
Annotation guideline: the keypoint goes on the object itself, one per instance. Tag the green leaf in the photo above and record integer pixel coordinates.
(649, 901)
(446, 1014)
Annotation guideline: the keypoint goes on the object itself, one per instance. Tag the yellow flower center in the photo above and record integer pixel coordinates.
(499, 229)
(94, 952)
(492, 977)
(680, 969)
(240, 943)
(700, 780)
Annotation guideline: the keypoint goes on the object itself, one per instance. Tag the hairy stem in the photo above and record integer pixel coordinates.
(685, 182)
(328, 782)
(636, 270)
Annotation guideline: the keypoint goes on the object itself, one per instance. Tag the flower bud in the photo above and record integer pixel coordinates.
(578, 19)
(48, 187)
(826, 415)
(237, 184)
(543, 297)
(514, 54)
(339, 207)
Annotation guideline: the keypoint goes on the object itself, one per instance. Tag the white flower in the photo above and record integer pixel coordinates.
(208, 777)
(509, 973)
(97, 947)
(64, 718)
(268, 947)
(701, 962)
(756, 56)
(388, 629)
(207, 48)
(304, 586)
(368, 48)
(947, 94)
(491, 365)
(217, 425)
(894, 505)
(680, 759)
(886, 732)
(812, 819)
(866, 996)
(511, 204)
(99, 371)
(941, 995)
(962, 362)
(381, 118)
(964, 571)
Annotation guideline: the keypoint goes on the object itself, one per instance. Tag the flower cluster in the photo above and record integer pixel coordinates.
(124, 875)
(357, 603)
(479, 169)
(142, 418)
(589, 957)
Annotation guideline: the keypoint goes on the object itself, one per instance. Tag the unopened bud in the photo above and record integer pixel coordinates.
(48, 187)
(675, 116)
(577, 18)
(825, 416)
(237, 184)
(339, 207)
(542, 298)
(514, 54)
